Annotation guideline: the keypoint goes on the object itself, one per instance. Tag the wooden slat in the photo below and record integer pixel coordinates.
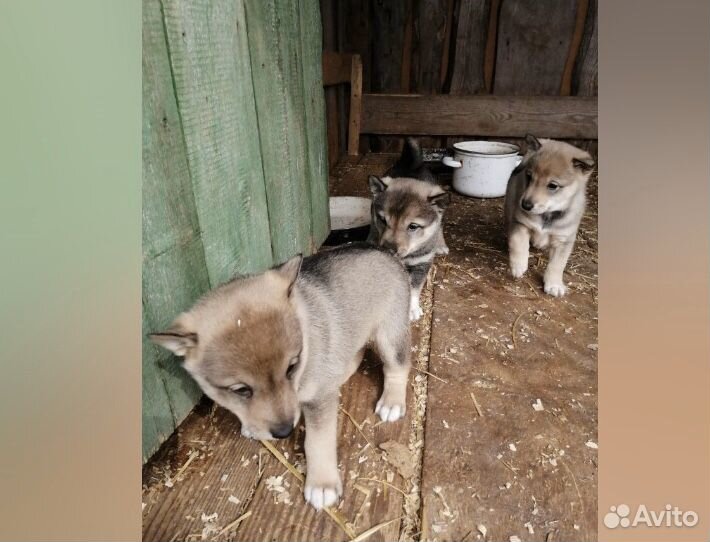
(355, 117)
(557, 117)
(491, 42)
(355, 27)
(429, 37)
(388, 21)
(158, 423)
(586, 70)
(468, 74)
(574, 48)
(314, 108)
(174, 267)
(274, 46)
(212, 73)
(336, 67)
(533, 42)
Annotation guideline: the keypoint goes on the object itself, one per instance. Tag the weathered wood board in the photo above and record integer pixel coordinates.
(503, 345)
(174, 270)
(215, 201)
(209, 55)
(533, 43)
(471, 36)
(503, 116)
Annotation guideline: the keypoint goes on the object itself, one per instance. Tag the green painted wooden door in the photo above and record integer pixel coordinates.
(234, 162)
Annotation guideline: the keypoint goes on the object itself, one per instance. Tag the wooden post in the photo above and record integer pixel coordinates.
(355, 105)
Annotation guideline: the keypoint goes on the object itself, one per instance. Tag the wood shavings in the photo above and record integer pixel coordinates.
(482, 529)
(233, 499)
(529, 527)
(235, 523)
(537, 406)
(210, 526)
(593, 346)
(334, 514)
(591, 444)
(372, 530)
(398, 455)
(512, 447)
(514, 538)
(476, 405)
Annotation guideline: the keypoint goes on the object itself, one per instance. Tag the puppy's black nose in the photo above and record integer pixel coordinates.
(282, 430)
(526, 204)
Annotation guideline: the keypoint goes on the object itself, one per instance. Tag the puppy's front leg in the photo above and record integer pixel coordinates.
(323, 486)
(559, 254)
(518, 250)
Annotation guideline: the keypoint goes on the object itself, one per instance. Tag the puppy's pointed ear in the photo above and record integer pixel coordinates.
(377, 185)
(520, 167)
(176, 339)
(533, 143)
(441, 200)
(289, 271)
(585, 165)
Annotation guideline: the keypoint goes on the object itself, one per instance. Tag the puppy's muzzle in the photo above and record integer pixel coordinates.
(282, 430)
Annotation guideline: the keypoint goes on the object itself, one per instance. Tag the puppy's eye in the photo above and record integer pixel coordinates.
(553, 186)
(242, 390)
(413, 226)
(292, 368)
(528, 176)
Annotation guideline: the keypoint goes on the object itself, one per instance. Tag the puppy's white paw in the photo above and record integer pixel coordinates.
(320, 494)
(555, 289)
(517, 269)
(389, 412)
(415, 312)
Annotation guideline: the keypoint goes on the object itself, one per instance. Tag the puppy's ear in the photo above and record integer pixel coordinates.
(520, 167)
(440, 200)
(585, 165)
(176, 339)
(533, 143)
(289, 271)
(377, 185)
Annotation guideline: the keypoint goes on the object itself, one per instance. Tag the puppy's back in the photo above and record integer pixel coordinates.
(356, 286)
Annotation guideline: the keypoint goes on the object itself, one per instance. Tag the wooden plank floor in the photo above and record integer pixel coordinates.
(512, 471)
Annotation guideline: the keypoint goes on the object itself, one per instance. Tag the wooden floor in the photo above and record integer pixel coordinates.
(500, 438)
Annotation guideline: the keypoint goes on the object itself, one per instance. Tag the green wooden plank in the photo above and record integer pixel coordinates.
(311, 66)
(174, 270)
(274, 47)
(158, 421)
(209, 56)
(172, 282)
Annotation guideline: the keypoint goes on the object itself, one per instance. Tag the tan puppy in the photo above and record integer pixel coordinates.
(269, 346)
(544, 203)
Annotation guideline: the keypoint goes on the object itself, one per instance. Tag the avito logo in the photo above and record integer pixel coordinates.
(671, 516)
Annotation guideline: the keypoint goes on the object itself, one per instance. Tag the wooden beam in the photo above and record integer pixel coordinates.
(336, 68)
(492, 116)
(566, 86)
(355, 106)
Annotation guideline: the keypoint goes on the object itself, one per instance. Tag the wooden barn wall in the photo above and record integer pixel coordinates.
(234, 162)
(463, 47)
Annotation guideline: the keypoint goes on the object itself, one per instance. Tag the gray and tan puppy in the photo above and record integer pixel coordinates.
(544, 204)
(270, 346)
(407, 213)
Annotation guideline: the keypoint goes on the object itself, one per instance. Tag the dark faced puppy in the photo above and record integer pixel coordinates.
(407, 216)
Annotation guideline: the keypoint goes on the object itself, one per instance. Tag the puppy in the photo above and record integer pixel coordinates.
(407, 213)
(270, 346)
(544, 203)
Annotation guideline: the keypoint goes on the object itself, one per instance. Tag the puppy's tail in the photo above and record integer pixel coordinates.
(411, 158)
